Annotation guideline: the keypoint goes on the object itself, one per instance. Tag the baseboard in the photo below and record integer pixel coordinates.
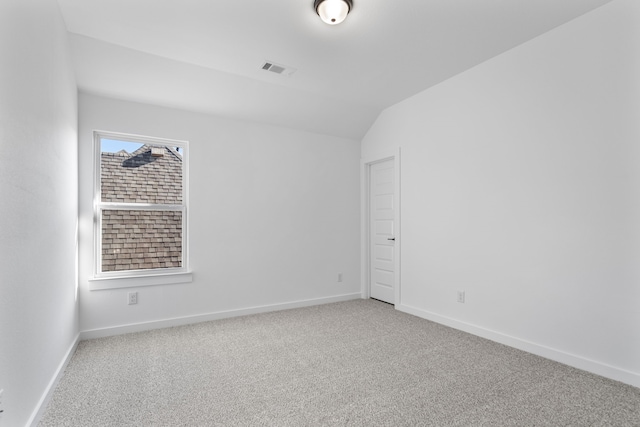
(179, 321)
(48, 392)
(573, 360)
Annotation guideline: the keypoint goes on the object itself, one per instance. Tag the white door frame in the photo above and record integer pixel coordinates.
(365, 257)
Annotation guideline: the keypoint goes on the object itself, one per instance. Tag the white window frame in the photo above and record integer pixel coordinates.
(147, 277)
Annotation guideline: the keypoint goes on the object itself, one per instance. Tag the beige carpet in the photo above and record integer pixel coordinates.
(356, 363)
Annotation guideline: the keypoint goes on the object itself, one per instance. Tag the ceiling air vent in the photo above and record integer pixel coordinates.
(278, 68)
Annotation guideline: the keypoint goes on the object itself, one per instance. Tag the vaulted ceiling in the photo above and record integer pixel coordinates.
(207, 55)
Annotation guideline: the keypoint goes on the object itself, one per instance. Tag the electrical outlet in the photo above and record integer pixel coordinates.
(461, 296)
(339, 277)
(133, 298)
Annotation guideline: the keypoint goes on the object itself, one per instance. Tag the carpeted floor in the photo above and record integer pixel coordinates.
(355, 363)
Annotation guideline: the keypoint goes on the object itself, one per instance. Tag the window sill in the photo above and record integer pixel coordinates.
(101, 283)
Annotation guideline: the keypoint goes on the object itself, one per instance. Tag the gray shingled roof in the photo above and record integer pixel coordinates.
(141, 178)
(135, 239)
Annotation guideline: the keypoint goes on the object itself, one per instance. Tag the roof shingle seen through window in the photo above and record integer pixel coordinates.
(139, 239)
(140, 177)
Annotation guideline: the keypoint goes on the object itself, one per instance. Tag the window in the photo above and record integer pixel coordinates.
(140, 206)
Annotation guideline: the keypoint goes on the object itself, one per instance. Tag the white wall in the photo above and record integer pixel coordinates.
(520, 185)
(274, 217)
(38, 203)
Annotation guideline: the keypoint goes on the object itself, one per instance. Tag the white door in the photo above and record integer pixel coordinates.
(382, 231)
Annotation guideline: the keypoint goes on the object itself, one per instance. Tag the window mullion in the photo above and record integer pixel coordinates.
(140, 207)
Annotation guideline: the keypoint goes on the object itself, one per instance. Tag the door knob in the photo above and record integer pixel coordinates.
(391, 238)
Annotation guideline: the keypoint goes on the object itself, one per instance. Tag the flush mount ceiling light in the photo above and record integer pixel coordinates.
(333, 11)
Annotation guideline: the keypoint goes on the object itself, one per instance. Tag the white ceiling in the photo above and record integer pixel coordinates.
(206, 55)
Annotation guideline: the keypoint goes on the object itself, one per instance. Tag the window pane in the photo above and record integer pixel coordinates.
(146, 174)
(141, 240)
